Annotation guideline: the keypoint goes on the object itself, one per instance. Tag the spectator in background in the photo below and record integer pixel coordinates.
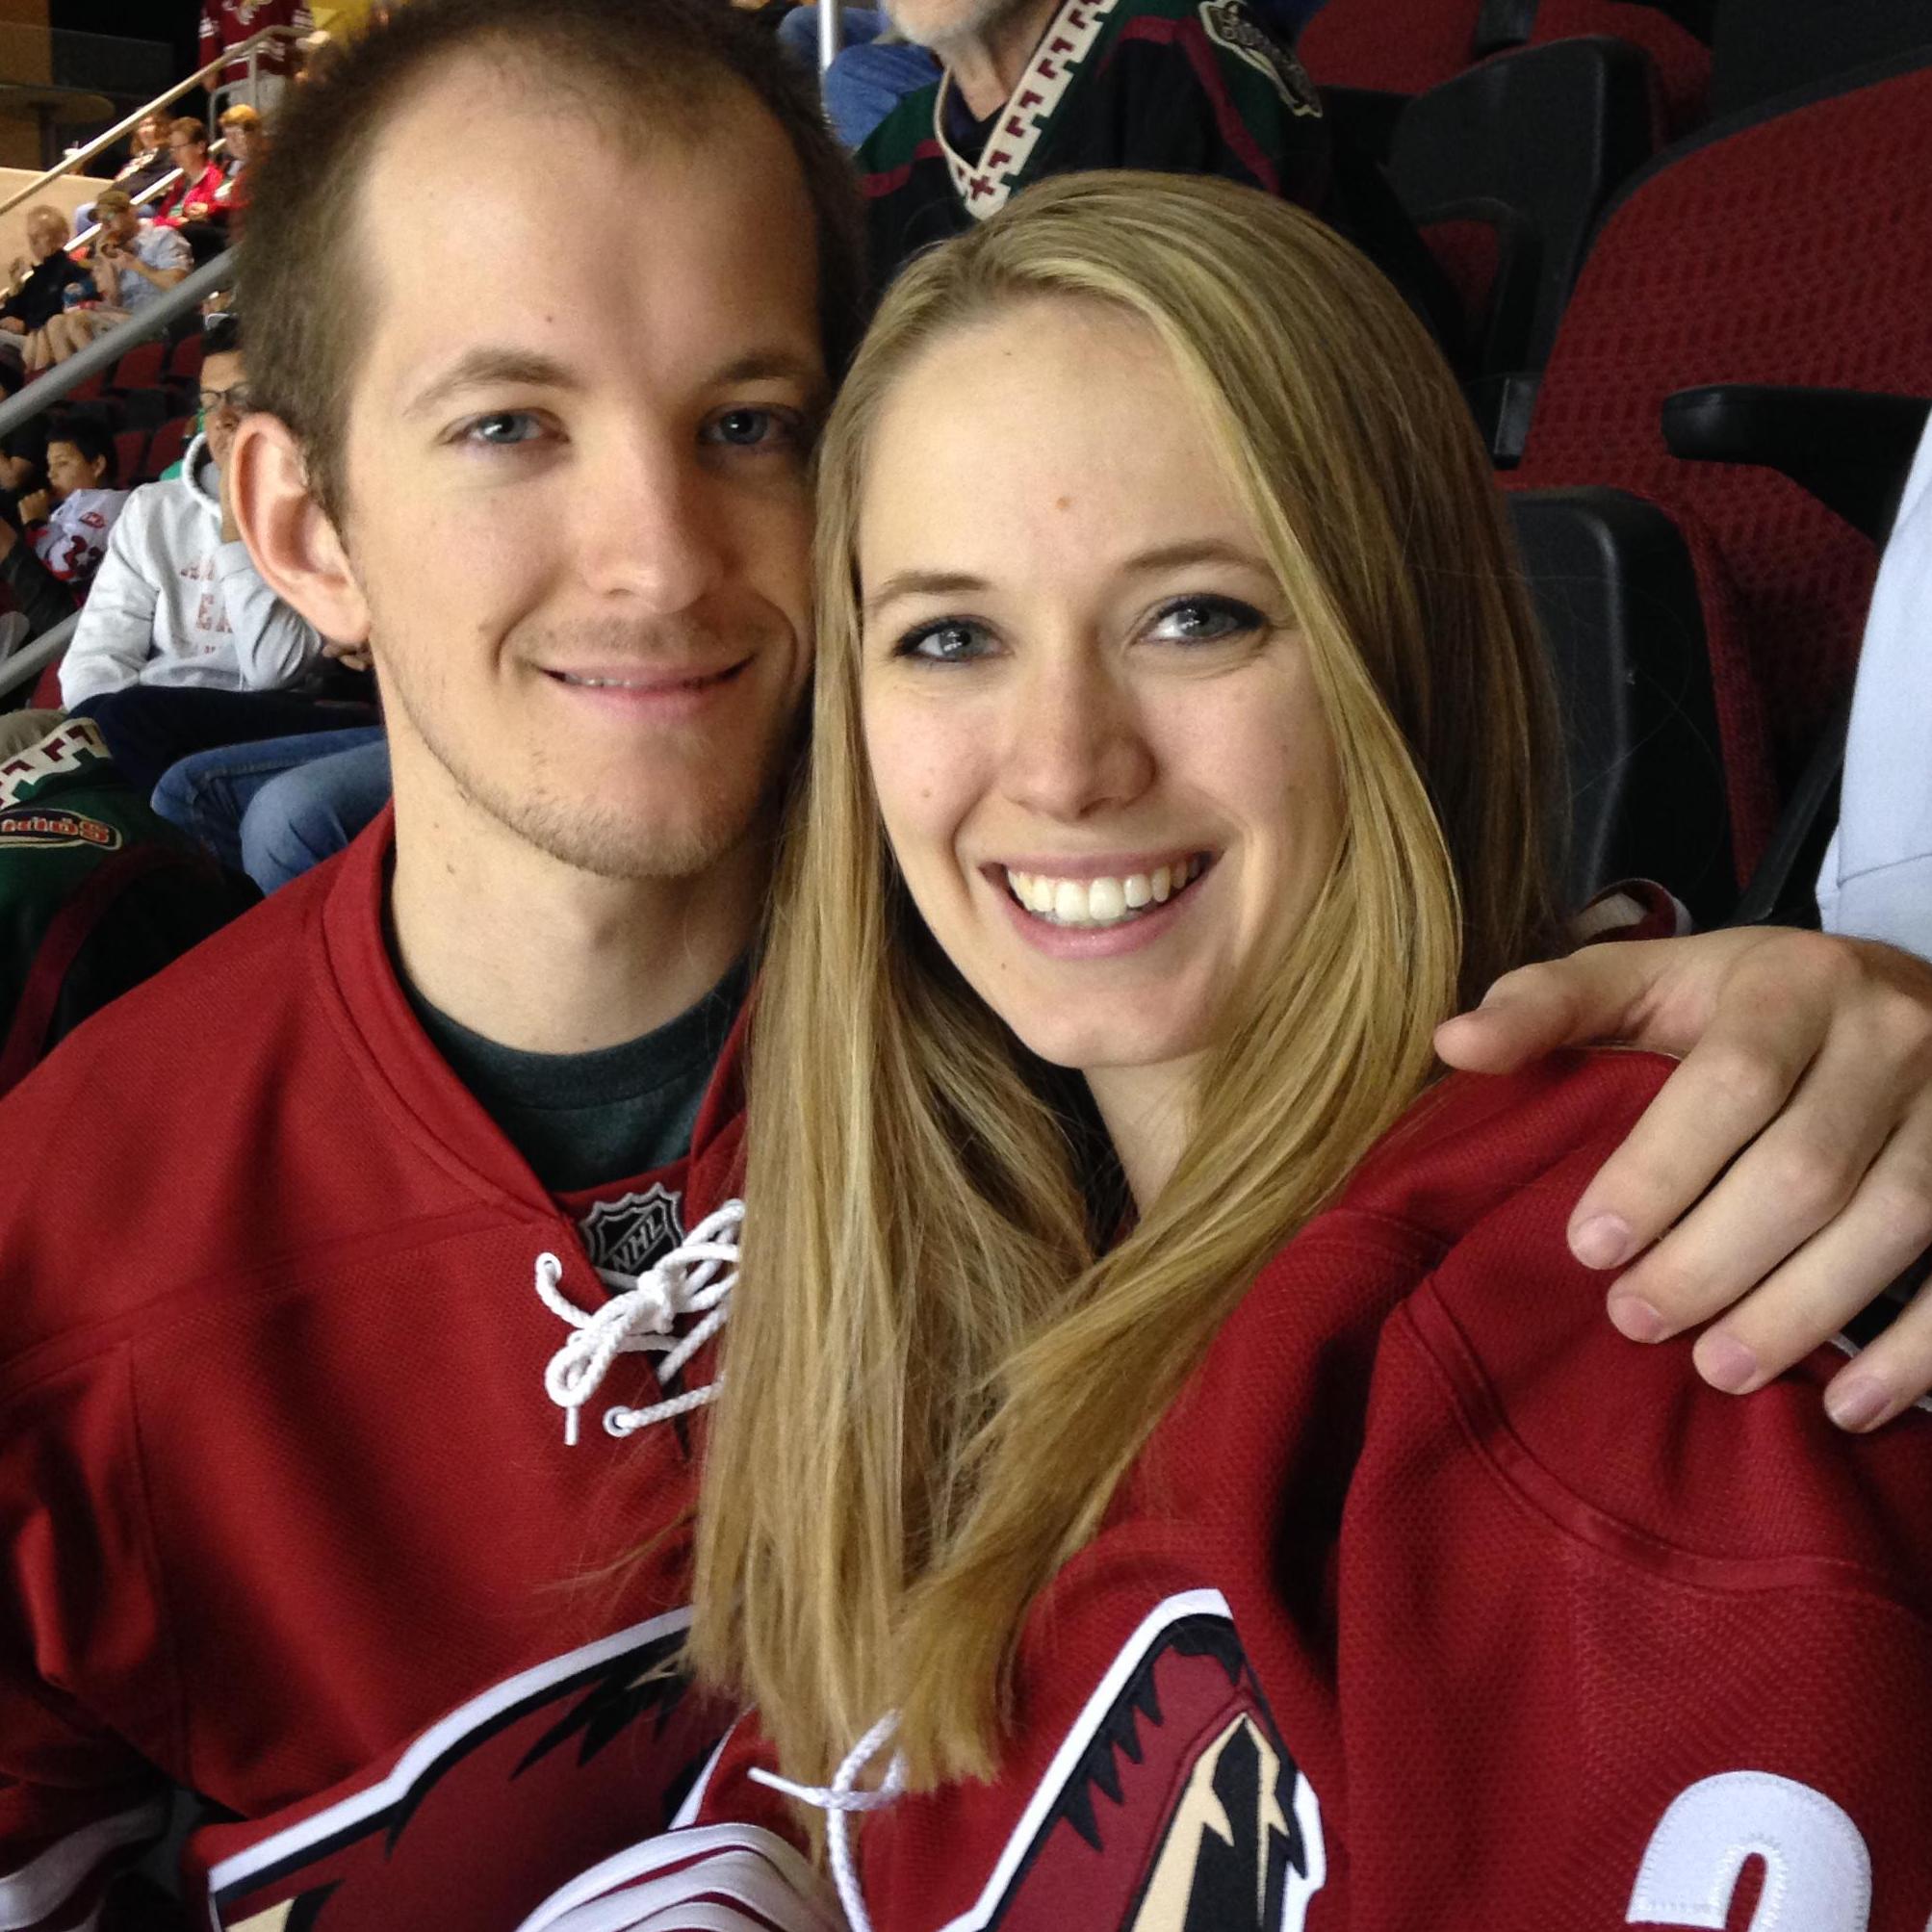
(192, 198)
(38, 295)
(1876, 882)
(878, 66)
(134, 261)
(1033, 88)
(69, 522)
(246, 141)
(229, 23)
(182, 645)
(147, 163)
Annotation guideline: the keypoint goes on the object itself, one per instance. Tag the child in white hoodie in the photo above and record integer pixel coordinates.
(177, 601)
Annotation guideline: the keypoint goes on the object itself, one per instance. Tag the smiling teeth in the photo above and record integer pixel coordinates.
(601, 684)
(1100, 901)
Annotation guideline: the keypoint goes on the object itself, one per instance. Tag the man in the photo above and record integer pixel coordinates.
(575, 536)
(192, 198)
(181, 645)
(1876, 879)
(1031, 87)
(135, 261)
(320, 1250)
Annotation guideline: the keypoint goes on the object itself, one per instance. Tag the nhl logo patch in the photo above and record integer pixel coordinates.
(631, 1233)
(1229, 26)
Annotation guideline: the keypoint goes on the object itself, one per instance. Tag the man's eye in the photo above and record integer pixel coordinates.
(952, 640)
(504, 429)
(750, 428)
(1205, 620)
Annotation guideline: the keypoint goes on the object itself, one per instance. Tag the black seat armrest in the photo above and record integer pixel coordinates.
(1852, 450)
(1365, 117)
(1503, 25)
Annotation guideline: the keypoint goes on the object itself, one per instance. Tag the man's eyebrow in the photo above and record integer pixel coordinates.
(478, 368)
(921, 583)
(773, 365)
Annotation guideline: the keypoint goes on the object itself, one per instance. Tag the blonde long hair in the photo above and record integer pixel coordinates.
(939, 1365)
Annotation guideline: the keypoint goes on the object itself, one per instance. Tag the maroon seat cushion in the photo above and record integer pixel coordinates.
(1794, 249)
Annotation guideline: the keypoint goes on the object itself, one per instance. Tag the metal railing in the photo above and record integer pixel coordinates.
(78, 157)
(100, 356)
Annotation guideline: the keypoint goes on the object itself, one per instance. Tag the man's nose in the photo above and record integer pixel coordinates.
(650, 531)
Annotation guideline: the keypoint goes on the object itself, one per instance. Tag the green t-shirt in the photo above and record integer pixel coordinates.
(586, 1119)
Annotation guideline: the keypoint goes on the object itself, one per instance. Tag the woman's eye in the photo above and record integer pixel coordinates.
(1205, 620)
(953, 640)
(750, 428)
(504, 429)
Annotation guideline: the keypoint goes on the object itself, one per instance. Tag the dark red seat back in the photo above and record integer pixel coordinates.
(1794, 249)
(1394, 46)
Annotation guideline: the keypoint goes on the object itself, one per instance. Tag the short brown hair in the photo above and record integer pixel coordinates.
(241, 115)
(187, 128)
(301, 282)
(111, 201)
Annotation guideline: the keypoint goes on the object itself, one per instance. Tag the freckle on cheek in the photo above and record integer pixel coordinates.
(1063, 502)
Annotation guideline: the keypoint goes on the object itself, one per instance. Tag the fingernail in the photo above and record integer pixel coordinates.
(1857, 1403)
(1633, 1316)
(1726, 1363)
(1602, 1241)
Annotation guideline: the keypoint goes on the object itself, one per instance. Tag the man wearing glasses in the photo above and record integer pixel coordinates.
(192, 198)
(181, 644)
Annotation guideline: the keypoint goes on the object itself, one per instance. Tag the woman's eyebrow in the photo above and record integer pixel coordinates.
(922, 583)
(1179, 555)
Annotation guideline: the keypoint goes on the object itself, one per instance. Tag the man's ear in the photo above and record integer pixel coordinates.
(294, 545)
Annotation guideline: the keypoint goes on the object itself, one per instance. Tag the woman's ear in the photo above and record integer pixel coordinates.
(290, 537)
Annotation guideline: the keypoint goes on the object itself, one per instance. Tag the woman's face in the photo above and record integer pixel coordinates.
(1091, 720)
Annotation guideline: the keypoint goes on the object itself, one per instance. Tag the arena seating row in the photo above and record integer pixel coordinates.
(1788, 246)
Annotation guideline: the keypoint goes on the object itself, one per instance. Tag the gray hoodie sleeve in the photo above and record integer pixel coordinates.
(273, 644)
(1877, 877)
(116, 629)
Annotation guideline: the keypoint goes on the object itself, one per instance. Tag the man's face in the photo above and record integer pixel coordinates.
(121, 225)
(577, 498)
(939, 23)
(224, 391)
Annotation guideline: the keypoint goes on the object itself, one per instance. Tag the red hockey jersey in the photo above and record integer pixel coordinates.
(1431, 1603)
(280, 1480)
(228, 24)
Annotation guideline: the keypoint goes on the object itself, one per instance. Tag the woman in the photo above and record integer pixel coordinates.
(1158, 1422)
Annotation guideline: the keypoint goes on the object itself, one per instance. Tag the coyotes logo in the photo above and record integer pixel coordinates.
(1173, 1806)
(491, 1808)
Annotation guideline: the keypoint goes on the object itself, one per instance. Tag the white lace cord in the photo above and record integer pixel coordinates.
(839, 1799)
(695, 1278)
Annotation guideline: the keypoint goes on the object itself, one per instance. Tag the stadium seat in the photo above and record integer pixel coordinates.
(140, 368)
(1504, 170)
(1679, 62)
(148, 408)
(1409, 46)
(130, 453)
(184, 359)
(1616, 601)
(170, 440)
(1764, 48)
(1793, 248)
